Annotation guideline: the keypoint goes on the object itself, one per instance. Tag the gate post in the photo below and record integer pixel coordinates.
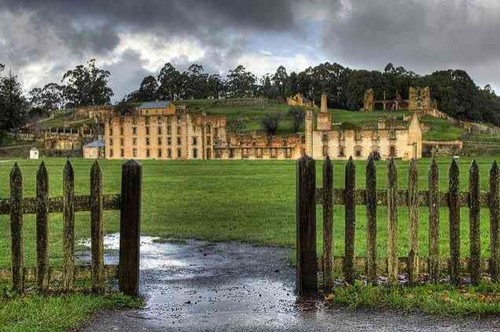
(130, 220)
(307, 265)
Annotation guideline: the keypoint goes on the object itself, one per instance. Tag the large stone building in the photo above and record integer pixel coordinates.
(299, 100)
(161, 130)
(388, 139)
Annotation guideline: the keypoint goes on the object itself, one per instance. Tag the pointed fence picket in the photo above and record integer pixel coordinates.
(128, 202)
(414, 265)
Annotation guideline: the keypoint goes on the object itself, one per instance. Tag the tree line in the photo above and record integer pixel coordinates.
(454, 91)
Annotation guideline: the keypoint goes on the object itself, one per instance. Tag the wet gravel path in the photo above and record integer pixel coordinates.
(199, 286)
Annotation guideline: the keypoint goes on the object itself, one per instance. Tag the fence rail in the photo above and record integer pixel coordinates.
(43, 275)
(392, 198)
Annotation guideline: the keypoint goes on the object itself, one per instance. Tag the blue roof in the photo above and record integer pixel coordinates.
(154, 104)
(95, 144)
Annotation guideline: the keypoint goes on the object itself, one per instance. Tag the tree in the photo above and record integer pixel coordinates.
(270, 124)
(240, 83)
(147, 90)
(13, 105)
(87, 85)
(169, 80)
(297, 116)
(280, 81)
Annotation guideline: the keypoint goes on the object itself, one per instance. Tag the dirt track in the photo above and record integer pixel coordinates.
(230, 286)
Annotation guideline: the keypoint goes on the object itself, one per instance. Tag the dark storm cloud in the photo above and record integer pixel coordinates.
(422, 35)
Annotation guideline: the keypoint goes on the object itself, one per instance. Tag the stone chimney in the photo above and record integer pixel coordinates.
(324, 120)
(324, 103)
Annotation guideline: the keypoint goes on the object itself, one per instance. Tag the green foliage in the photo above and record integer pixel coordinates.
(297, 115)
(87, 85)
(237, 125)
(270, 124)
(13, 105)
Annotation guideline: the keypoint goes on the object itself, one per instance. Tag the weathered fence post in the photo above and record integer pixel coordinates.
(413, 263)
(454, 216)
(96, 229)
(16, 228)
(69, 226)
(494, 202)
(42, 228)
(350, 221)
(130, 219)
(475, 240)
(392, 224)
(307, 267)
(327, 223)
(371, 219)
(434, 222)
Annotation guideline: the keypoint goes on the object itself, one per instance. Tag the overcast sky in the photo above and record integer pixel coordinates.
(41, 39)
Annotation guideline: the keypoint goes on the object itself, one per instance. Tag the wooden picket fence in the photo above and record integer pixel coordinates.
(43, 275)
(414, 265)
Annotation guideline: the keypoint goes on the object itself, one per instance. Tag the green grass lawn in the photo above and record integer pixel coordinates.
(220, 200)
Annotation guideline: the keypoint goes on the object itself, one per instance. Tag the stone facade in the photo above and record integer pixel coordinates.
(166, 135)
(299, 100)
(387, 140)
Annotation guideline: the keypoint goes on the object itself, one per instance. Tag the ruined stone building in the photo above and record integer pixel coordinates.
(384, 140)
(299, 100)
(419, 99)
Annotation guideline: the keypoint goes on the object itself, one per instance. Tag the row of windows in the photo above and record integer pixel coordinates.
(159, 130)
(245, 153)
(194, 141)
(358, 151)
(159, 153)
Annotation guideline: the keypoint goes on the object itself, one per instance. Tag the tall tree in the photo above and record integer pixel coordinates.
(169, 83)
(13, 105)
(147, 90)
(240, 82)
(87, 85)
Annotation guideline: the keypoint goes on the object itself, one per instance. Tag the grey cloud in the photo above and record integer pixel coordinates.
(422, 35)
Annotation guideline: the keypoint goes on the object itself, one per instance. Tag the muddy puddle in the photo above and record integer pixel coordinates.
(201, 286)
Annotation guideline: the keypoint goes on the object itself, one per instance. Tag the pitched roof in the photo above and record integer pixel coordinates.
(95, 144)
(154, 104)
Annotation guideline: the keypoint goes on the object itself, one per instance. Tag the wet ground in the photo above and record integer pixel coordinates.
(198, 286)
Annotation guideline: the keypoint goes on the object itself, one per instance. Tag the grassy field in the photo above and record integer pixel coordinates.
(249, 201)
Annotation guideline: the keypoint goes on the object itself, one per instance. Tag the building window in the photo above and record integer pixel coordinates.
(134, 153)
(159, 140)
(288, 153)
(134, 141)
(274, 153)
(231, 153)
(178, 141)
(147, 120)
(159, 153)
(179, 153)
(209, 154)
(259, 153)
(392, 134)
(169, 130)
(134, 121)
(122, 153)
(357, 151)
(147, 153)
(147, 141)
(122, 141)
(159, 130)
(169, 120)
(110, 141)
(110, 131)
(169, 140)
(134, 130)
(209, 141)
(160, 120)
(169, 153)
(341, 151)
(121, 131)
(244, 153)
(392, 151)
(195, 153)
(147, 130)
(208, 129)
(195, 140)
(179, 130)
(111, 152)
(216, 132)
